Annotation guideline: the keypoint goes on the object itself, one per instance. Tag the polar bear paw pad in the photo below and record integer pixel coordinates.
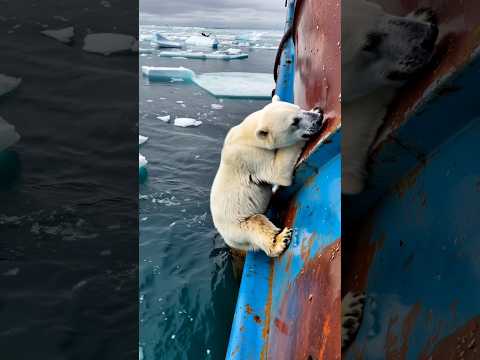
(352, 312)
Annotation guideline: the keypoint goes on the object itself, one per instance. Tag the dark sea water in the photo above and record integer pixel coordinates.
(187, 288)
(68, 223)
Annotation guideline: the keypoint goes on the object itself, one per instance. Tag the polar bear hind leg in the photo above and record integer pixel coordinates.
(264, 235)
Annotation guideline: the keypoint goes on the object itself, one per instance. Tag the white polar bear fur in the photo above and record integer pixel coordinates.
(250, 164)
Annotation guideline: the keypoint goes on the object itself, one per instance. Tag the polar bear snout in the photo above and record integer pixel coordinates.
(311, 122)
(412, 39)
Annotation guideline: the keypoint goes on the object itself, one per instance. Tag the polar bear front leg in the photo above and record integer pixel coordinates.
(284, 164)
(263, 234)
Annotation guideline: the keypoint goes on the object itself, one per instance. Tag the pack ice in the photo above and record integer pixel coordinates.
(8, 83)
(109, 43)
(202, 41)
(8, 135)
(64, 35)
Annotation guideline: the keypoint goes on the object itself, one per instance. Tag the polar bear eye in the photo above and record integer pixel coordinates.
(262, 133)
(296, 121)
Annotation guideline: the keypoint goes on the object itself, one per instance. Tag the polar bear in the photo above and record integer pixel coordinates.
(380, 52)
(258, 153)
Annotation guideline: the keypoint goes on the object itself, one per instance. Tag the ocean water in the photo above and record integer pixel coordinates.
(187, 289)
(68, 223)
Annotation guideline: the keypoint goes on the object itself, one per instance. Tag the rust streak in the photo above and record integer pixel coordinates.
(307, 322)
(268, 309)
(463, 343)
(392, 350)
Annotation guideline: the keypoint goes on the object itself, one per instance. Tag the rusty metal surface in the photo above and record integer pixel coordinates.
(306, 324)
(416, 254)
(317, 79)
(411, 241)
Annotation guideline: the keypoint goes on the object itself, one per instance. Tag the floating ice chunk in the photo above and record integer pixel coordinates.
(220, 55)
(145, 51)
(64, 35)
(167, 73)
(257, 46)
(8, 83)
(243, 44)
(255, 36)
(202, 41)
(142, 139)
(222, 84)
(216, 106)
(237, 84)
(186, 122)
(185, 54)
(109, 43)
(179, 101)
(146, 37)
(8, 135)
(142, 161)
(233, 51)
(162, 42)
(165, 118)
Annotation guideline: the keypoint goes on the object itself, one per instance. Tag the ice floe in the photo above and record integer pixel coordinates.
(146, 51)
(161, 41)
(233, 51)
(186, 122)
(216, 106)
(242, 85)
(218, 55)
(202, 41)
(8, 83)
(254, 36)
(142, 139)
(8, 135)
(64, 35)
(110, 43)
(165, 118)
(167, 73)
(237, 84)
(142, 161)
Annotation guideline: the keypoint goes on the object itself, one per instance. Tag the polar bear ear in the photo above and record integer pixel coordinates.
(275, 98)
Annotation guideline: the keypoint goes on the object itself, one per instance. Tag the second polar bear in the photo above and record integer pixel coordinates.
(258, 153)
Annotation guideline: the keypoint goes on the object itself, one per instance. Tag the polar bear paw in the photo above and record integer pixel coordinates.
(281, 241)
(352, 312)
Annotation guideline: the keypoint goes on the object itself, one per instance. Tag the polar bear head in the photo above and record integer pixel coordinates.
(379, 49)
(281, 124)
